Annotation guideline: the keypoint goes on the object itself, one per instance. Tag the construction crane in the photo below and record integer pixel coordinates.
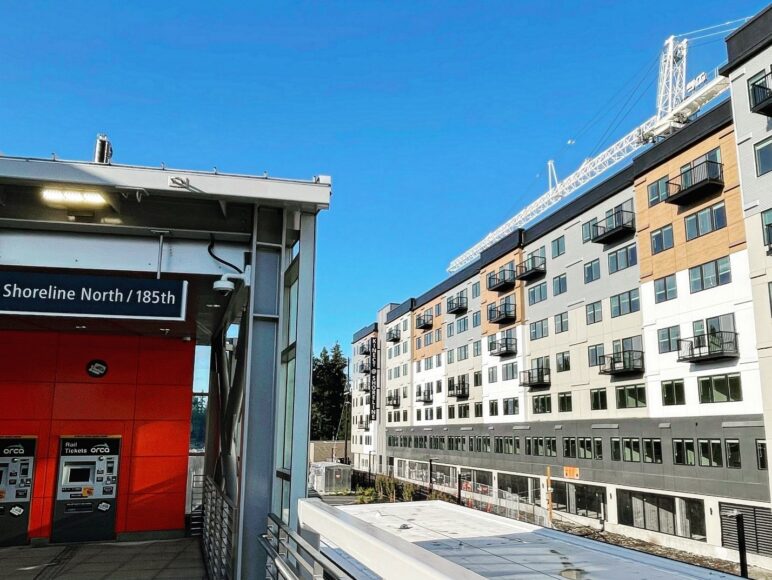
(677, 102)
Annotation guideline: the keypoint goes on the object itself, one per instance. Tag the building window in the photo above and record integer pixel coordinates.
(462, 324)
(594, 354)
(462, 352)
(631, 396)
(665, 289)
(710, 452)
(475, 290)
(662, 239)
(683, 452)
(766, 225)
(438, 309)
(652, 451)
(658, 191)
(450, 356)
(561, 322)
(539, 329)
(569, 447)
(559, 285)
(428, 338)
(418, 414)
(673, 393)
(509, 371)
(418, 343)
(761, 454)
(657, 513)
(463, 411)
(733, 459)
(477, 379)
(667, 339)
(478, 409)
(476, 319)
(451, 329)
(438, 413)
(625, 303)
(438, 386)
(705, 221)
(622, 258)
(493, 408)
(558, 246)
(492, 374)
(598, 400)
(720, 388)
(512, 406)
(631, 449)
(476, 348)
(542, 404)
(451, 412)
(537, 293)
(564, 403)
(709, 275)
(591, 271)
(563, 361)
(763, 153)
(437, 361)
(616, 449)
(594, 312)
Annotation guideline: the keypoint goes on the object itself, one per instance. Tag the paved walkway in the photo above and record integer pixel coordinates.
(110, 561)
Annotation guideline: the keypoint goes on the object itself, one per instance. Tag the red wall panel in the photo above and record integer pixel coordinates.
(145, 398)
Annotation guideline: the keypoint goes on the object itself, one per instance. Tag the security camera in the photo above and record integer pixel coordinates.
(223, 286)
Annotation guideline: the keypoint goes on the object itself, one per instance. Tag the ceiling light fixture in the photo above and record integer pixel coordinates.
(70, 198)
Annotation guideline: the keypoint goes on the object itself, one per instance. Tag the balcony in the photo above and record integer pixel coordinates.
(761, 96)
(364, 387)
(616, 226)
(708, 347)
(425, 396)
(393, 401)
(535, 378)
(627, 362)
(501, 280)
(423, 321)
(364, 368)
(364, 349)
(695, 183)
(459, 391)
(504, 347)
(364, 423)
(456, 304)
(502, 313)
(393, 335)
(532, 268)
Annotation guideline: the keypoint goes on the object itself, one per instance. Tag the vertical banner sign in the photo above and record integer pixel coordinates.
(44, 294)
(373, 378)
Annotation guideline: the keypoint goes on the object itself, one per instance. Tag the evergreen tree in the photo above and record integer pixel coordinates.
(328, 394)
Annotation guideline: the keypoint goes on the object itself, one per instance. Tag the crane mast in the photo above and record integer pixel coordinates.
(677, 101)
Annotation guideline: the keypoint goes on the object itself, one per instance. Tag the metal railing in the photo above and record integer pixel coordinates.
(708, 346)
(504, 346)
(197, 485)
(502, 312)
(392, 401)
(695, 179)
(219, 532)
(531, 267)
(459, 391)
(761, 93)
(538, 377)
(364, 349)
(426, 396)
(424, 320)
(393, 335)
(618, 223)
(501, 279)
(290, 557)
(456, 304)
(619, 363)
(364, 367)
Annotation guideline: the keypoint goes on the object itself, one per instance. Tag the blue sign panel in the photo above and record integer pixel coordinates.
(46, 294)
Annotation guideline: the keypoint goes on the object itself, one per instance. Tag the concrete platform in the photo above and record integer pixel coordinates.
(114, 561)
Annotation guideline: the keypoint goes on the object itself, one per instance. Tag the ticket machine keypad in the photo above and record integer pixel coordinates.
(15, 479)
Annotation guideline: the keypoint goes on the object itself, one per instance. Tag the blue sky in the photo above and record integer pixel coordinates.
(435, 118)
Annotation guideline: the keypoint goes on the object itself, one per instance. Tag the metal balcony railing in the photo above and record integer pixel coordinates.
(761, 95)
(622, 363)
(393, 335)
(502, 313)
(619, 224)
(364, 367)
(364, 387)
(707, 347)
(501, 280)
(539, 377)
(533, 267)
(425, 396)
(504, 346)
(456, 304)
(459, 391)
(218, 532)
(364, 349)
(696, 182)
(364, 423)
(393, 401)
(424, 320)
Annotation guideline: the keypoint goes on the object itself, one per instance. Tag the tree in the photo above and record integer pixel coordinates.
(328, 394)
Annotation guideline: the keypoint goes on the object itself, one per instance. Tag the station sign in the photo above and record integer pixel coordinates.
(45, 294)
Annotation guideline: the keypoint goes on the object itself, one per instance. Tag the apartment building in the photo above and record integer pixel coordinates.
(617, 347)
(364, 384)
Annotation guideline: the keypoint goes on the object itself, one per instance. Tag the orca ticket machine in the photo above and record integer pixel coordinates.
(17, 463)
(86, 489)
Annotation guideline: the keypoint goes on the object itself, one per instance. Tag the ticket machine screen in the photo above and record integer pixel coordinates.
(79, 474)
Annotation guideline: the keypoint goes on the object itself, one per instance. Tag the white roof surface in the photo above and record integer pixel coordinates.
(497, 547)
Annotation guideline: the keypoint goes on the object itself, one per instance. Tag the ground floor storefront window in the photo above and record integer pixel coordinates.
(684, 517)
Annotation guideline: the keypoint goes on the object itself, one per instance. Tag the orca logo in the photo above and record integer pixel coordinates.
(96, 368)
(100, 448)
(17, 449)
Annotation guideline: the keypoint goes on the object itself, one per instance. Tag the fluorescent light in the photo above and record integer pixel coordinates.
(74, 198)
